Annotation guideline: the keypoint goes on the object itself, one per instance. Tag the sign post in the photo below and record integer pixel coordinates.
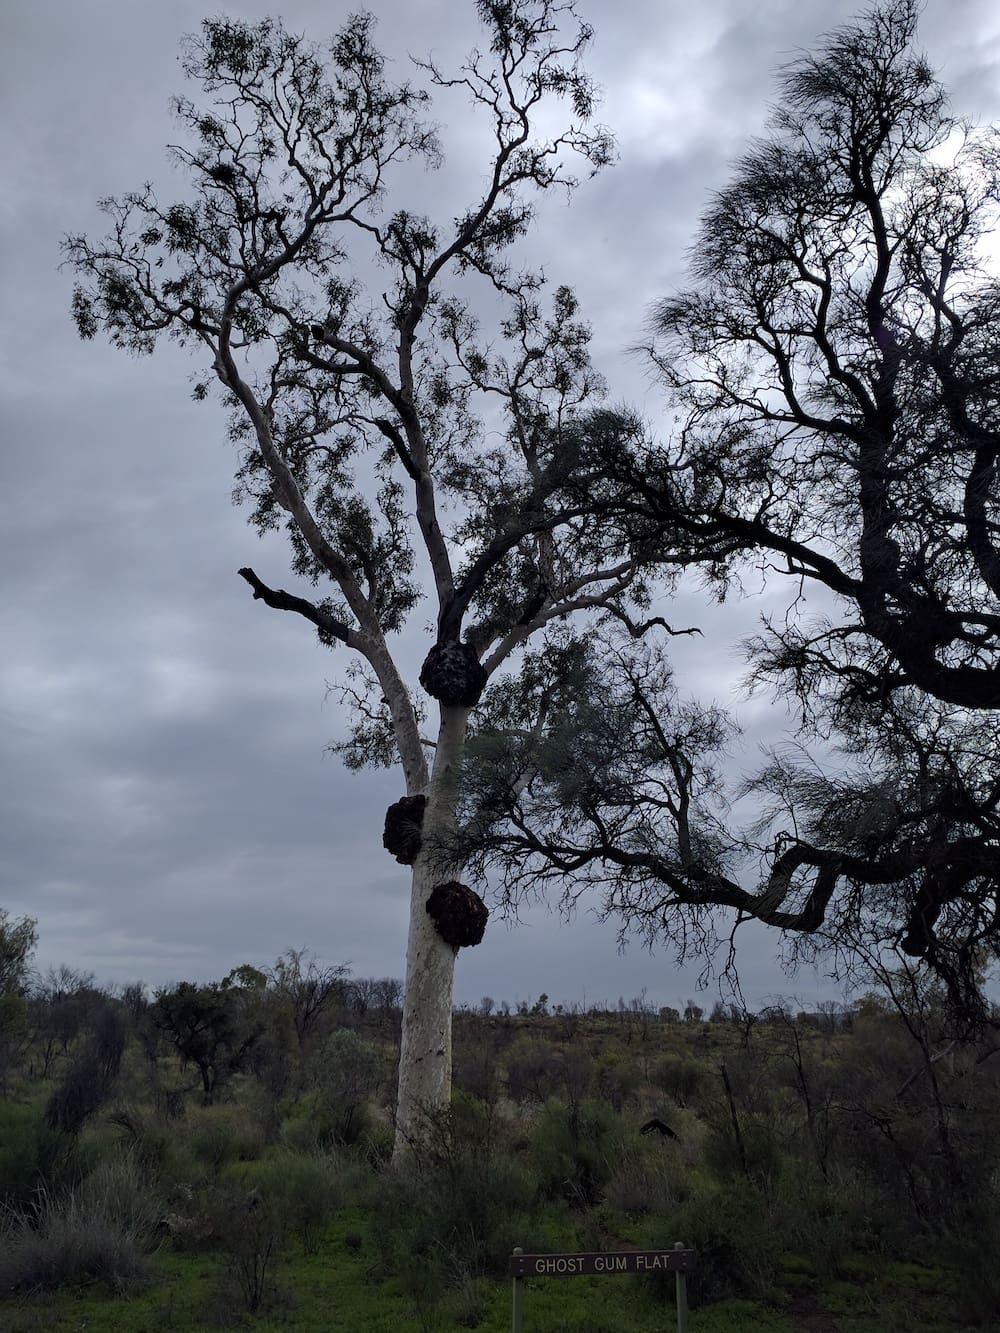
(517, 1314)
(680, 1278)
(678, 1261)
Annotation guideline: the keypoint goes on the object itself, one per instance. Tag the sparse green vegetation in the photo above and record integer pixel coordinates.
(830, 1170)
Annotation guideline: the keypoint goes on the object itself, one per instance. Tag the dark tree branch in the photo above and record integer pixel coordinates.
(328, 625)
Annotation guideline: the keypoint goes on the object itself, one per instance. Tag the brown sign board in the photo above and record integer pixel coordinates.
(611, 1261)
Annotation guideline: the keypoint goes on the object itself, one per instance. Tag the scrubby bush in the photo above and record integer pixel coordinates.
(80, 1092)
(532, 1068)
(348, 1074)
(122, 1190)
(645, 1178)
(87, 1083)
(615, 1078)
(67, 1246)
(154, 1143)
(220, 1134)
(571, 1150)
(459, 1209)
(378, 1144)
(536, 1069)
(679, 1076)
(453, 1221)
(305, 1190)
(736, 1237)
(102, 1231)
(754, 1152)
(250, 1229)
(33, 1156)
(476, 1069)
(978, 1282)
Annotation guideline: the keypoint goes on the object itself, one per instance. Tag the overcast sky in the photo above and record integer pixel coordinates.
(169, 809)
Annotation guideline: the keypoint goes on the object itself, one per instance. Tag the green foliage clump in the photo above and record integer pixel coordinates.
(571, 1151)
(305, 1191)
(615, 1079)
(160, 1145)
(738, 1240)
(679, 1076)
(757, 1152)
(33, 1156)
(828, 1221)
(348, 1072)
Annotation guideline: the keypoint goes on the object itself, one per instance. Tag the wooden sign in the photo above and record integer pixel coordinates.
(611, 1261)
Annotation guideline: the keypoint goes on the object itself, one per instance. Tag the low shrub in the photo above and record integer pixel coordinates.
(122, 1190)
(153, 1143)
(299, 1132)
(462, 1225)
(219, 1135)
(826, 1221)
(103, 1231)
(468, 1301)
(349, 1073)
(758, 1150)
(459, 1211)
(32, 1155)
(978, 1285)
(735, 1235)
(571, 1151)
(378, 1144)
(679, 1076)
(250, 1230)
(645, 1179)
(306, 1190)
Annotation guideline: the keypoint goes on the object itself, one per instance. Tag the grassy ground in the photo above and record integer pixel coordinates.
(339, 1289)
(543, 1148)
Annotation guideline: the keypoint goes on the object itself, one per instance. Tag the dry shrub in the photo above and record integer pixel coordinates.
(103, 1231)
(646, 1179)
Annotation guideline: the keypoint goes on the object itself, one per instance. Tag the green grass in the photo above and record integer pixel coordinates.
(332, 1293)
(335, 1290)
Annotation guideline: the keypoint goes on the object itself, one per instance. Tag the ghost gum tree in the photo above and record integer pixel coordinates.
(342, 329)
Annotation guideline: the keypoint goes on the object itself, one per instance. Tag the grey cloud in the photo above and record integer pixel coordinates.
(169, 807)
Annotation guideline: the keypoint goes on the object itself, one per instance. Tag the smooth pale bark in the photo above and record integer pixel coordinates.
(425, 1054)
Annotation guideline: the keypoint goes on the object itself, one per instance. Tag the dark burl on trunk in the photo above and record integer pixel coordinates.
(459, 914)
(403, 822)
(453, 674)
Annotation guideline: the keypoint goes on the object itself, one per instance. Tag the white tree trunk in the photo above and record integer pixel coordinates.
(425, 1054)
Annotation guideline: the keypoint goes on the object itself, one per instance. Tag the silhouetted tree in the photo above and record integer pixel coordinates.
(308, 989)
(208, 1027)
(89, 1080)
(834, 370)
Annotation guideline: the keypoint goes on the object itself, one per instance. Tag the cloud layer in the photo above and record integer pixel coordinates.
(170, 808)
